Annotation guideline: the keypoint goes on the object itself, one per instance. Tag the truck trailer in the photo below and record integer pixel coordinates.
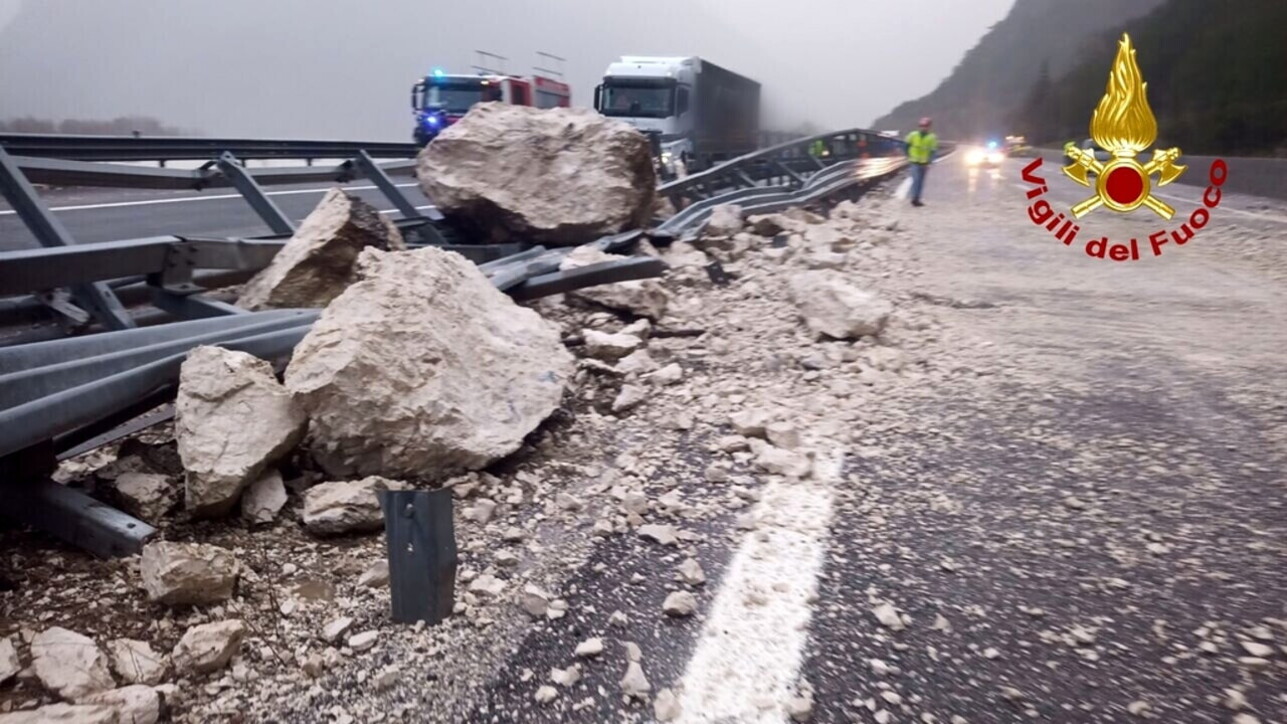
(703, 113)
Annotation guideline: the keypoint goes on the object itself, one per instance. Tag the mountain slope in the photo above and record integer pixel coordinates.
(995, 77)
(1216, 79)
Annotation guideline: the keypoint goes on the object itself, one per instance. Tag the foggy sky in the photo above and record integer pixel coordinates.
(343, 69)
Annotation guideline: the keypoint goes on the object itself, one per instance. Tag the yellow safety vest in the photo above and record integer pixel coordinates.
(920, 146)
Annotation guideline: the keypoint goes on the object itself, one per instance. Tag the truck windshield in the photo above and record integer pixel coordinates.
(638, 99)
(457, 96)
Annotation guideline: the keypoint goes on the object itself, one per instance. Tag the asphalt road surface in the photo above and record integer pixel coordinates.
(1077, 516)
(92, 215)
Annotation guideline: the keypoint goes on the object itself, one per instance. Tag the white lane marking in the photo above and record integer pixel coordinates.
(747, 662)
(418, 208)
(215, 197)
(903, 189)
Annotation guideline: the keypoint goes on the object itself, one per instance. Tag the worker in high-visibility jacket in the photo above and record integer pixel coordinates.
(922, 144)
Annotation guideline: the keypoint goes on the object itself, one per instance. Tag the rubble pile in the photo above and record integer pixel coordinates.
(318, 261)
(419, 372)
(559, 176)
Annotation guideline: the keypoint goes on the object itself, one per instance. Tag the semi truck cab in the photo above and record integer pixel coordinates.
(701, 112)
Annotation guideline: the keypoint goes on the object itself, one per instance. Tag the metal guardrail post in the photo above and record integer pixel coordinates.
(245, 183)
(421, 543)
(371, 170)
(95, 297)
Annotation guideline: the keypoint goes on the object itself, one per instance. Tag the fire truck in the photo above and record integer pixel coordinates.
(440, 99)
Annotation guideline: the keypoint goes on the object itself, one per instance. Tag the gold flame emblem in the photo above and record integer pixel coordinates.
(1124, 125)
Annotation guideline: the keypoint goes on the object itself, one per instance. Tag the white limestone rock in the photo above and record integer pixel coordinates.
(232, 420)
(187, 573)
(316, 264)
(423, 369)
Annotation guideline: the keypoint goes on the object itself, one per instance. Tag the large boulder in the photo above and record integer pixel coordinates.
(179, 574)
(560, 176)
(232, 420)
(70, 664)
(317, 263)
(423, 369)
(643, 297)
(831, 306)
(346, 507)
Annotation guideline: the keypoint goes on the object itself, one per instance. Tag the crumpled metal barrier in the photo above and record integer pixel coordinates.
(768, 199)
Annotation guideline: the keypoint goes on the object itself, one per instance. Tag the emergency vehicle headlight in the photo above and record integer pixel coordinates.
(996, 157)
(974, 157)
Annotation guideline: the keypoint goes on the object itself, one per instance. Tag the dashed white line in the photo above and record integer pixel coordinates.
(183, 199)
(748, 657)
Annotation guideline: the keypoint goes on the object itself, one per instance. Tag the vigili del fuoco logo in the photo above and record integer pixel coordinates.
(1122, 125)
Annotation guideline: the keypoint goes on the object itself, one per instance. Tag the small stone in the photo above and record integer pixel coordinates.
(70, 664)
(135, 662)
(513, 534)
(671, 374)
(375, 576)
(690, 572)
(566, 677)
(1074, 503)
(486, 586)
(1253, 663)
(363, 641)
(783, 434)
(633, 652)
(265, 497)
(546, 693)
(878, 667)
(208, 647)
(568, 503)
(147, 495)
(630, 397)
(187, 573)
(1234, 700)
(800, 708)
(635, 502)
(618, 619)
(1245, 719)
(680, 604)
(506, 559)
(991, 653)
(10, 664)
(590, 647)
(534, 601)
(750, 423)
(663, 534)
(892, 698)
(888, 616)
(135, 704)
(1139, 707)
(634, 683)
(666, 706)
(481, 511)
(1257, 649)
(336, 629)
(604, 346)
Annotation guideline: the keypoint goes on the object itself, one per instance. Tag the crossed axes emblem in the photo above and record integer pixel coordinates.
(1123, 165)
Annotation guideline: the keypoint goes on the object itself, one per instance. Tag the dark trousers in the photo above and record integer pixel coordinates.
(918, 179)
